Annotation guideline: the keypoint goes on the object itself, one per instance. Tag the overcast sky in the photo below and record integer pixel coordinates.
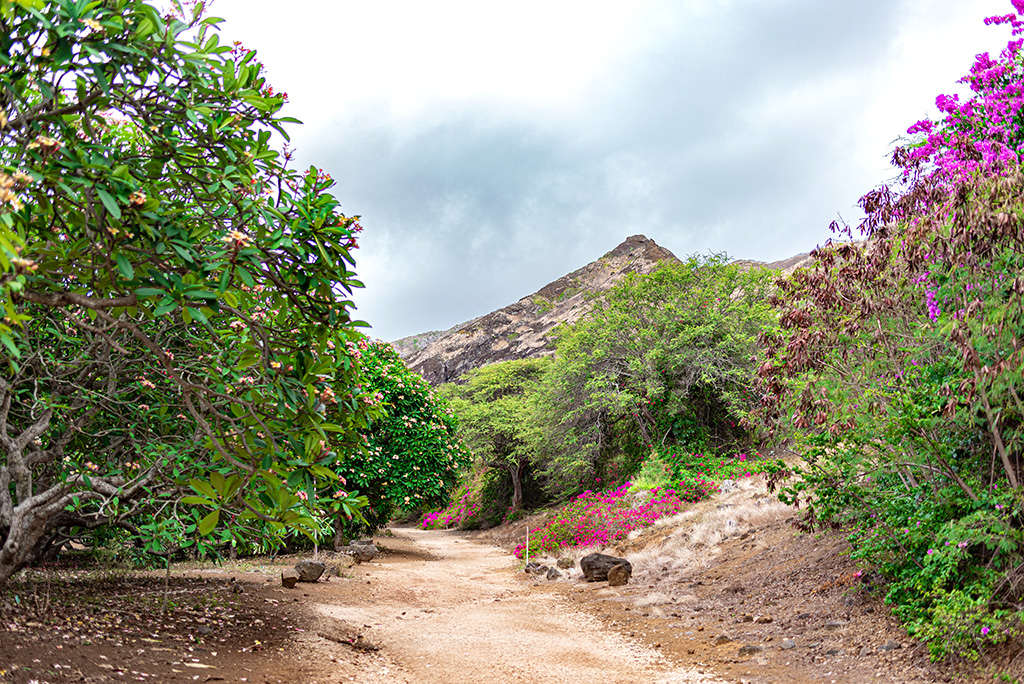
(491, 148)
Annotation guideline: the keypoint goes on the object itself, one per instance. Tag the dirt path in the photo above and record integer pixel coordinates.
(447, 610)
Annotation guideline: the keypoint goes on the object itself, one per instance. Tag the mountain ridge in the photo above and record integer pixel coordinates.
(522, 329)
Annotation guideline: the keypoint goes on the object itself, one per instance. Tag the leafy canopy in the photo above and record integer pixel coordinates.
(175, 297)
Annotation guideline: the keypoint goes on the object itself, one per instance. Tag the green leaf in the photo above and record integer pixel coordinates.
(207, 524)
(197, 500)
(125, 266)
(109, 203)
(202, 487)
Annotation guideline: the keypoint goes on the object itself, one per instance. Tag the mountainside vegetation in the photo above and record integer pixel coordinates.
(181, 372)
(891, 366)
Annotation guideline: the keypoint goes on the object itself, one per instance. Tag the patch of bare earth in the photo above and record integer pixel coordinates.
(727, 591)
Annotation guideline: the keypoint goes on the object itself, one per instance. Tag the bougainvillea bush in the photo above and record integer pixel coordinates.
(899, 368)
(601, 518)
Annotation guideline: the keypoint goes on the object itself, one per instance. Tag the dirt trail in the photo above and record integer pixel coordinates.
(457, 612)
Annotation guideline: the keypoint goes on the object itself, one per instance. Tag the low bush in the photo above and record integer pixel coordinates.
(600, 518)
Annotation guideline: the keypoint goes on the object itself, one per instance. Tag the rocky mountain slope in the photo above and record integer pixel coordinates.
(523, 329)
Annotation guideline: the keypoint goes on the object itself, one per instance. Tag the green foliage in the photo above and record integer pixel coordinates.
(898, 366)
(662, 359)
(175, 313)
(413, 454)
(497, 413)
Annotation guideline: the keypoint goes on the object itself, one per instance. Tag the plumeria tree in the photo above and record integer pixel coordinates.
(413, 455)
(175, 296)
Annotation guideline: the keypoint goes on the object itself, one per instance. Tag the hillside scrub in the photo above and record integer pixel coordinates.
(899, 365)
(664, 359)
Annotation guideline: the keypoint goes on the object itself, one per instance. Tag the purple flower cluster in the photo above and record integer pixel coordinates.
(982, 135)
(453, 516)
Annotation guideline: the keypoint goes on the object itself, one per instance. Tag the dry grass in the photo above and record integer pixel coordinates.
(687, 543)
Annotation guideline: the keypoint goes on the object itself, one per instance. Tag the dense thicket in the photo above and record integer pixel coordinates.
(899, 368)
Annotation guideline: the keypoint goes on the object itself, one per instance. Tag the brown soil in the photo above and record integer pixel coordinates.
(756, 603)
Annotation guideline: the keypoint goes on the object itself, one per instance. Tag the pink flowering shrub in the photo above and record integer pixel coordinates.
(600, 518)
(459, 514)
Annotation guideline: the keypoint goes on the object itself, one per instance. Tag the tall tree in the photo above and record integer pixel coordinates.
(665, 357)
(413, 454)
(174, 295)
(497, 418)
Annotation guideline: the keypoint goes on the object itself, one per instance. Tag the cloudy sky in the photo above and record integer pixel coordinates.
(491, 147)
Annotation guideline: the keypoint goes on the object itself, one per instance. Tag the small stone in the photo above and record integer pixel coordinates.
(722, 640)
(889, 645)
(835, 625)
(749, 649)
(763, 620)
(834, 651)
(865, 651)
(565, 563)
(289, 576)
(553, 574)
(787, 645)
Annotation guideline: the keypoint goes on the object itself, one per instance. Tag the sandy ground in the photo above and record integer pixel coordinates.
(463, 615)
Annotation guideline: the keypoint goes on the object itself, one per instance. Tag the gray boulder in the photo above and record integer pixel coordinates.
(309, 570)
(595, 567)
(361, 552)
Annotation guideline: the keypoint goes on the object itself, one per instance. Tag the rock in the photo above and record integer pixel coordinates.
(763, 620)
(565, 563)
(595, 567)
(531, 566)
(835, 625)
(722, 640)
(362, 553)
(787, 645)
(540, 570)
(309, 570)
(834, 652)
(889, 645)
(553, 574)
(619, 574)
(749, 649)
(289, 576)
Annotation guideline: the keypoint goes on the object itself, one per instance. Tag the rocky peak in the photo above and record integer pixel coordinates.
(522, 330)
